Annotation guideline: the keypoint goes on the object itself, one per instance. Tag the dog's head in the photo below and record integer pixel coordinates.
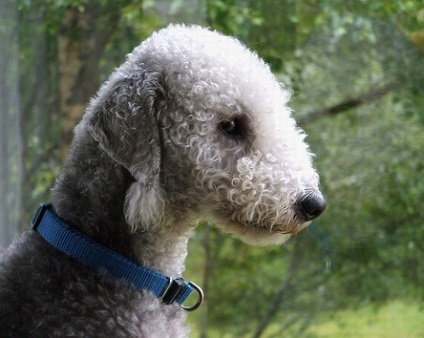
(203, 126)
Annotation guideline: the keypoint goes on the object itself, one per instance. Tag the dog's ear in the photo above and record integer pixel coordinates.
(123, 119)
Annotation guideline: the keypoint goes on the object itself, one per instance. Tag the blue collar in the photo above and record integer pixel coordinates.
(96, 256)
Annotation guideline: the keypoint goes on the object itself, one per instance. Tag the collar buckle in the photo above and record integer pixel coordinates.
(172, 290)
(175, 290)
(200, 297)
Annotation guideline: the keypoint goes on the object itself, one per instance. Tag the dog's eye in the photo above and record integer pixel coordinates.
(231, 127)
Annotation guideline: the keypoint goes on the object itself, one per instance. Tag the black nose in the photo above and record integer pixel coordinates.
(311, 205)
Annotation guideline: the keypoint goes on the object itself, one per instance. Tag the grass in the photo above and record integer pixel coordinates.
(396, 319)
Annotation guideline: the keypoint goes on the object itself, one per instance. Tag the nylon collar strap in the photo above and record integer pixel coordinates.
(98, 257)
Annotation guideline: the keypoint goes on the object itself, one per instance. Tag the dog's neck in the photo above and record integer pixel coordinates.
(90, 195)
(164, 253)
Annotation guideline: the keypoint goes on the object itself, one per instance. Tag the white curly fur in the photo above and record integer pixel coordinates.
(193, 125)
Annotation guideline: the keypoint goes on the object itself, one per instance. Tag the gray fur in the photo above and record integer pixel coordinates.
(154, 152)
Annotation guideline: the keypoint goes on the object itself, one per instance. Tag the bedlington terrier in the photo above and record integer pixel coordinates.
(192, 126)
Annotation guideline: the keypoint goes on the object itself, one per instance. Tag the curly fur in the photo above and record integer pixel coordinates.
(193, 125)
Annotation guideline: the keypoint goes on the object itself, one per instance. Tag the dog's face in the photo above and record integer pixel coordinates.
(228, 146)
(230, 137)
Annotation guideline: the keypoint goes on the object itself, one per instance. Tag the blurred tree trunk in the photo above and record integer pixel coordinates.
(295, 259)
(10, 133)
(82, 40)
(212, 243)
(207, 273)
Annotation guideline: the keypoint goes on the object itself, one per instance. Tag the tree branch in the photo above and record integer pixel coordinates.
(349, 104)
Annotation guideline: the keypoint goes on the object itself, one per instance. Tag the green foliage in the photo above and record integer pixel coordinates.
(369, 161)
(233, 17)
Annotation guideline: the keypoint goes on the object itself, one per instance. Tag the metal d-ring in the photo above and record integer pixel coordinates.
(199, 298)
